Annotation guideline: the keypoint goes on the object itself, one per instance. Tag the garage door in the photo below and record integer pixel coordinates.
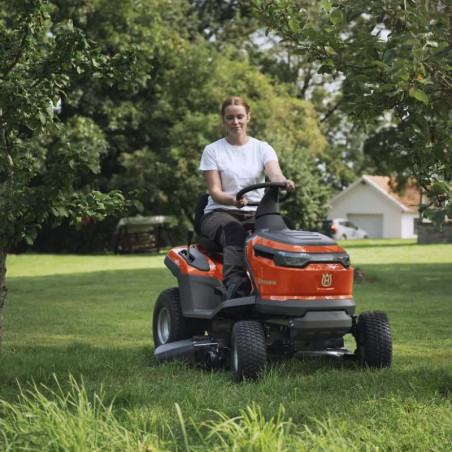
(373, 224)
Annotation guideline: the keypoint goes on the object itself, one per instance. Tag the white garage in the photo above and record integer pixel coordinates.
(372, 223)
(371, 204)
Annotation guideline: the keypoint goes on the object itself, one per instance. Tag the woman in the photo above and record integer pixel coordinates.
(230, 164)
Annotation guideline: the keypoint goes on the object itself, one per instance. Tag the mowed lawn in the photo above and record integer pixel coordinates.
(78, 372)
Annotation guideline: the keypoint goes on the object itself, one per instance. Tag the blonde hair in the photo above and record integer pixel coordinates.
(235, 100)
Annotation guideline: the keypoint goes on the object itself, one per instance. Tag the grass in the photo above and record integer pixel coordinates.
(78, 372)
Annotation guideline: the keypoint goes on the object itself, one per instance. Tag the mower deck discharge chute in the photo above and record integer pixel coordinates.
(301, 304)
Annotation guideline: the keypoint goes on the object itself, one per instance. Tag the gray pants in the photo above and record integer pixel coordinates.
(229, 228)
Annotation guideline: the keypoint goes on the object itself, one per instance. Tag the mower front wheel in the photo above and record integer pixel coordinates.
(169, 324)
(373, 339)
(248, 351)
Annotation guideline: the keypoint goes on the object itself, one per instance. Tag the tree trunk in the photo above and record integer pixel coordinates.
(4, 240)
(3, 290)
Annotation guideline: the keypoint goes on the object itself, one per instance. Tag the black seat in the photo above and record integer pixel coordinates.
(203, 240)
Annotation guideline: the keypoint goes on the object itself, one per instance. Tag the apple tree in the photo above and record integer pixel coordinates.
(39, 181)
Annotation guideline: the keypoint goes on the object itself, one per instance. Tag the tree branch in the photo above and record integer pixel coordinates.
(306, 83)
(331, 111)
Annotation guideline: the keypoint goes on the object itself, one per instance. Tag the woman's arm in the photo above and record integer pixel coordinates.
(275, 174)
(213, 181)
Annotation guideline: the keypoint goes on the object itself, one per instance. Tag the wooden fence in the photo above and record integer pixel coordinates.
(427, 233)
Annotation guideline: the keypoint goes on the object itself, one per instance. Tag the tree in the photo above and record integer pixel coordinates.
(156, 136)
(225, 21)
(41, 161)
(399, 62)
(343, 159)
(185, 117)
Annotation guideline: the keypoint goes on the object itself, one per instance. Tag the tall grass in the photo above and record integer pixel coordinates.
(47, 419)
(78, 371)
(252, 431)
(56, 420)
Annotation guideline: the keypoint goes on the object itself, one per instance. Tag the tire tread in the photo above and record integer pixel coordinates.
(374, 339)
(250, 339)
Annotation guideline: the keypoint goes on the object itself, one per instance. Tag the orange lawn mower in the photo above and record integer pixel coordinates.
(301, 304)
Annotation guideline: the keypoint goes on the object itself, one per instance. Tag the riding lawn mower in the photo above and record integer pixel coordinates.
(301, 304)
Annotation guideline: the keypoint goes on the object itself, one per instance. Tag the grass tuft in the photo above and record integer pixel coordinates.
(56, 419)
(251, 431)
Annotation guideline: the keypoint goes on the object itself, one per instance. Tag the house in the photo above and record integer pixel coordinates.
(371, 204)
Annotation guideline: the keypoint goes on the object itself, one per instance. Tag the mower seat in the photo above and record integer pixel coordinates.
(203, 240)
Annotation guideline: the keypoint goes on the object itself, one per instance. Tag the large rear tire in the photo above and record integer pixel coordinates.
(169, 324)
(248, 351)
(373, 339)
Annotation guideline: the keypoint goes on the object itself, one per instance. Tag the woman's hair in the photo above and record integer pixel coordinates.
(235, 100)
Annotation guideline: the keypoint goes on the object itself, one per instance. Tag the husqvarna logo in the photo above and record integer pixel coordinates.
(327, 279)
(266, 281)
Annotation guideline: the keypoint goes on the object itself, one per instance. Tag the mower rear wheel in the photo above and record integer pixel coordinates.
(373, 339)
(248, 351)
(169, 324)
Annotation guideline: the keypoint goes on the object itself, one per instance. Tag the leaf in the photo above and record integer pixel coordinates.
(336, 16)
(412, 43)
(404, 75)
(326, 5)
(441, 46)
(419, 95)
(439, 186)
(380, 64)
(385, 87)
(42, 117)
(389, 56)
(28, 240)
(293, 25)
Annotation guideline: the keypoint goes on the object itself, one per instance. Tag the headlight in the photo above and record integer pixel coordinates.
(300, 260)
(287, 259)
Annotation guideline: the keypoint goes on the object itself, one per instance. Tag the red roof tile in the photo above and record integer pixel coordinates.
(410, 196)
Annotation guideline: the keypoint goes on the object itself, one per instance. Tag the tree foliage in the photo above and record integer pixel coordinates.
(343, 160)
(399, 62)
(150, 140)
(155, 135)
(41, 160)
(188, 113)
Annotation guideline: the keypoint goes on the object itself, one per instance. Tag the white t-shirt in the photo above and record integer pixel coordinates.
(239, 166)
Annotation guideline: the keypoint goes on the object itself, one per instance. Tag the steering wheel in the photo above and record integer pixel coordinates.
(262, 185)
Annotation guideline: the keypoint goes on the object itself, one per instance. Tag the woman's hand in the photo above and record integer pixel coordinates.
(275, 174)
(242, 202)
(290, 185)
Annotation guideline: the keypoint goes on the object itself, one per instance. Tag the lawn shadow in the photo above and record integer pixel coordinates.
(109, 367)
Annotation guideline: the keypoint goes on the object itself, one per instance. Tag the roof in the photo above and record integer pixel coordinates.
(408, 199)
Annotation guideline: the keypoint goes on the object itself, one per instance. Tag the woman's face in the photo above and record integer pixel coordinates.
(236, 119)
